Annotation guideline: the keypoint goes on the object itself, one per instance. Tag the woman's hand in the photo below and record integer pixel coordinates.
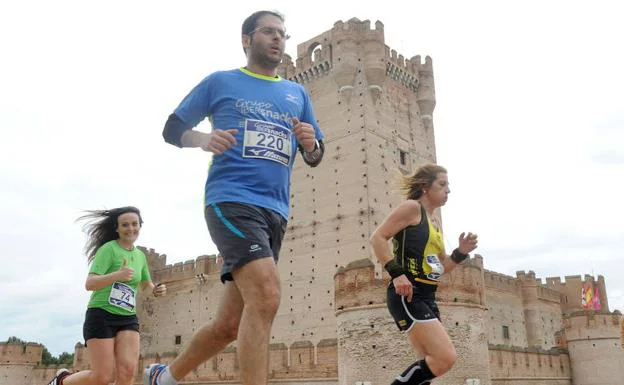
(403, 287)
(159, 290)
(467, 242)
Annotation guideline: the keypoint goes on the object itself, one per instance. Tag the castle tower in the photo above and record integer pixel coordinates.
(529, 287)
(594, 345)
(574, 293)
(542, 311)
(370, 105)
(370, 346)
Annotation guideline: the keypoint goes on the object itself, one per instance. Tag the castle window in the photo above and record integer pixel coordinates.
(506, 332)
(403, 158)
(178, 340)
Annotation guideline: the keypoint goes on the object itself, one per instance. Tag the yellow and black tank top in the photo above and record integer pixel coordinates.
(416, 249)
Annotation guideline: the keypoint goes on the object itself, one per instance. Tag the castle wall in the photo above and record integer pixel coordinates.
(516, 366)
(505, 315)
(193, 292)
(299, 363)
(18, 374)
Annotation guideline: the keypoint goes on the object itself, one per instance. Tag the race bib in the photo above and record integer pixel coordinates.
(433, 267)
(122, 296)
(268, 141)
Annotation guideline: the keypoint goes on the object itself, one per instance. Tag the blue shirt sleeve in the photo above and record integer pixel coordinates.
(197, 105)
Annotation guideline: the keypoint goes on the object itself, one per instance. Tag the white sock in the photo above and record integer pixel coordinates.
(166, 378)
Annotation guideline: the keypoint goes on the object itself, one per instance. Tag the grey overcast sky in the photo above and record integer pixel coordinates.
(529, 122)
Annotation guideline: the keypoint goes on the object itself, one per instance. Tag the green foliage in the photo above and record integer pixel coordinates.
(47, 358)
(15, 340)
(66, 358)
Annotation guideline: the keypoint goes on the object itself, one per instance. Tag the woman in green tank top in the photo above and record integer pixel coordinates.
(118, 271)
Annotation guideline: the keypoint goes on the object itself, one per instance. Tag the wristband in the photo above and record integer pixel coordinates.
(458, 257)
(394, 269)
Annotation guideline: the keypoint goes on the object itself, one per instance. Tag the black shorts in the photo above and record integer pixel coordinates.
(243, 233)
(423, 308)
(101, 324)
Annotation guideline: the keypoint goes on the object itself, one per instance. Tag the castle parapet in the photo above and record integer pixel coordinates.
(202, 266)
(355, 285)
(465, 284)
(29, 353)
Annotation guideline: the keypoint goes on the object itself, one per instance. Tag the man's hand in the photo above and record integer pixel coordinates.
(218, 141)
(305, 134)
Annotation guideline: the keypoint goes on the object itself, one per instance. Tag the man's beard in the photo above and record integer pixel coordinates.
(267, 61)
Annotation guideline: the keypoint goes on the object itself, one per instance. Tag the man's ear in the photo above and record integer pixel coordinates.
(246, 41)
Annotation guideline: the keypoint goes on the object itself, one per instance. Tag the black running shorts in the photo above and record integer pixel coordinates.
(243, 233)
(101, 324)
(422, 308)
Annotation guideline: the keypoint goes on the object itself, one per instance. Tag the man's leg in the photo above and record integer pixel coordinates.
(259, 285)
(207, 341)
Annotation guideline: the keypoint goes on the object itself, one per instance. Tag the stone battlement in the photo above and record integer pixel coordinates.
(203, 265)
(355, 285)
(354, 46)
(29, 353)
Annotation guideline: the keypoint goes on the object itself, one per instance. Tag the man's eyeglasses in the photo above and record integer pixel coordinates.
(271, 31)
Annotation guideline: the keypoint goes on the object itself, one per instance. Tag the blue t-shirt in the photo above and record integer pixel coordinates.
(257, 170)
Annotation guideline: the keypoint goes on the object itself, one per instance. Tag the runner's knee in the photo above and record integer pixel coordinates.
(102, 378)
(268, 298)
(227, 329)
(126, 370)
(443, 361)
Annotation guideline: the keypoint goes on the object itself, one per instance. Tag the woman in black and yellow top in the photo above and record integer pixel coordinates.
(418, 263)
(118, 271)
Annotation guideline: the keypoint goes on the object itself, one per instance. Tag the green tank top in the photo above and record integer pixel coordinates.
(120, 297)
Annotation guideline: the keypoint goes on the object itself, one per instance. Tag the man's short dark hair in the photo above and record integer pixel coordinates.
(250, 22)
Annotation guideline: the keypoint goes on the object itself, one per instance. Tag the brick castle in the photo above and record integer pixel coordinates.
(333, 328)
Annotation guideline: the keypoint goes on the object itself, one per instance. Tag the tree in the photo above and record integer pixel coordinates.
(66, 358)
(15, 340)
(47, 358)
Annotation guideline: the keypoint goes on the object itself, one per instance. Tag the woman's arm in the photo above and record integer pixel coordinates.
(404, 215)
(157, 290)
(467, 243)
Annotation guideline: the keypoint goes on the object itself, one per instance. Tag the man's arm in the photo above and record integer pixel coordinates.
(174, 130)
(180, 134)
(314, 157)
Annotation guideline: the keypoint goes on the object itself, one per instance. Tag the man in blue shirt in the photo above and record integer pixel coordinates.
(259, 122)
